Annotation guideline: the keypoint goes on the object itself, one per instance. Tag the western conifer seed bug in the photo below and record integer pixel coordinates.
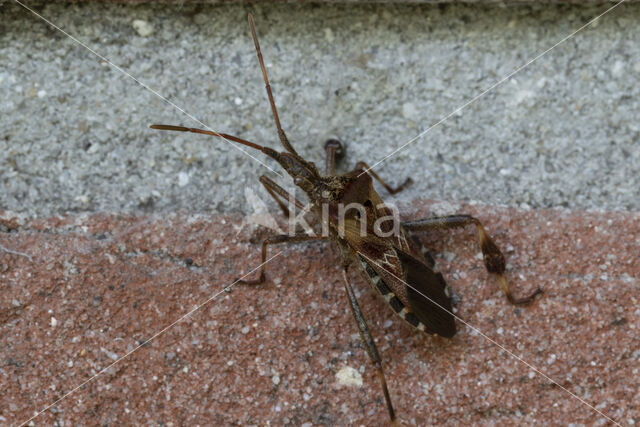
(353, 216)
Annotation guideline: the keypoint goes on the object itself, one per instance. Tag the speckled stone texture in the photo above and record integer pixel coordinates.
(74, 132)
(97, 286)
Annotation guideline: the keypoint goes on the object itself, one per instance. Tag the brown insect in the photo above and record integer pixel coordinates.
(392, 261)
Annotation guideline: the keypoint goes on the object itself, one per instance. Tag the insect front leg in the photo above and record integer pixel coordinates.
(335, 151)
(279, 193)
(282, 238)
(368, 342)
(391, 190)
(493, 258)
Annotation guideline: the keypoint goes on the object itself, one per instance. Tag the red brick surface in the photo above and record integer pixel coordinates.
(270, 354)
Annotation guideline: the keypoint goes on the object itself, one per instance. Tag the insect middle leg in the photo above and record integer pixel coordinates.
(281, 238)
(390, 189)
(368, 342)
(493, 258)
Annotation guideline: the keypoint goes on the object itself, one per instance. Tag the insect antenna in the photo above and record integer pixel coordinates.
(283, 138)
(224, 136)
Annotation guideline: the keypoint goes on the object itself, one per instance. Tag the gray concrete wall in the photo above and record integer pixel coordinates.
(74, 132)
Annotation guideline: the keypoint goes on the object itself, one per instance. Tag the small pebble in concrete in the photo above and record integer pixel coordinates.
(143, 28)
(349, 377)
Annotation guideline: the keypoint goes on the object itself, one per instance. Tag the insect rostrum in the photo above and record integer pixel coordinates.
(395, 264)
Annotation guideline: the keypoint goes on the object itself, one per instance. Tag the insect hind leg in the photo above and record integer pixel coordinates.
(493, 258)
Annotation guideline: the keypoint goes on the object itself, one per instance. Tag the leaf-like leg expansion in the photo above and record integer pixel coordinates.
(275, 190)
(281, 238)
(391, 190)
(368, 342)
(493, 259)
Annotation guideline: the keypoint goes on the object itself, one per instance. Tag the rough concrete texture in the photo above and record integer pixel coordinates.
(95, 287)
(74, 132)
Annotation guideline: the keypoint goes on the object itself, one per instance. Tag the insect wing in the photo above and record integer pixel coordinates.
(405, 281)
(426, 296)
